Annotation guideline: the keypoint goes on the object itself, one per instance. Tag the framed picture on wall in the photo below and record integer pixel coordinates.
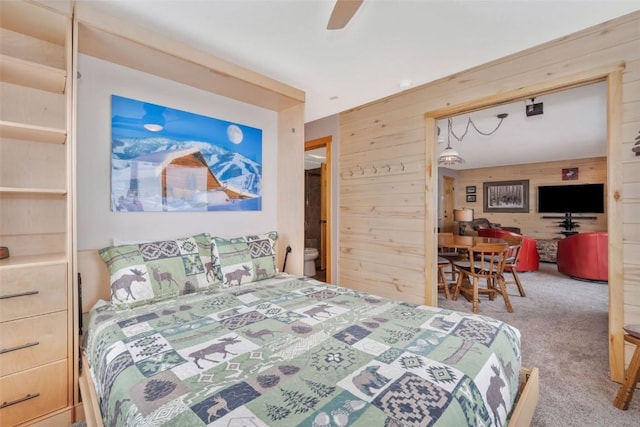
(167, 160)
(506, 196)
(471, 189)
(471, 198)
(569, 174)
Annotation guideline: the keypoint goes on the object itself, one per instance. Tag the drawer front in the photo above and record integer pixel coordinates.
(29, 291)
(31, 342)
(33, 393)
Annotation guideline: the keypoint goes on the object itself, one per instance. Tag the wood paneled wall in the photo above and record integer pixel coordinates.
(532, 224)
(388, 173)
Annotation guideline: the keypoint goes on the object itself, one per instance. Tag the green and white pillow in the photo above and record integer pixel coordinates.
(143, 273)
(245, 259)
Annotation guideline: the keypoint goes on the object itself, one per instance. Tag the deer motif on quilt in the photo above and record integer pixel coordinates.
(161, 276)
(261, 272)
(237, 275)
(318, 309)
(494, 396)
(218, 347)
(219, 403)
(125, 281)
(258, 334)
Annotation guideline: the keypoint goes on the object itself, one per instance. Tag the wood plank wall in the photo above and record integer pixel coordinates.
(532, 224)
(388, 177)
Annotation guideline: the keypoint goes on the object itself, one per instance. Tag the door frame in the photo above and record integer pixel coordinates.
(613, 76)
(447, 218)
(325, 142)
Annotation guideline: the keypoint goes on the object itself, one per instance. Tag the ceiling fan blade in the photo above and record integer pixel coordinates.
(342, 13)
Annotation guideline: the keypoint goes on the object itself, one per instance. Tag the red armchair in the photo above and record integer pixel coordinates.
(529, 258)
(585, 256)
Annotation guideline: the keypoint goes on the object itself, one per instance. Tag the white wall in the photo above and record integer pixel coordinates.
(97, 224)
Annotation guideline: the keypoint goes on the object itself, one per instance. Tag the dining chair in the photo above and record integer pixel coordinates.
(513, 257)
(486, 261)
(632, 376)
(443, 263)
(450, 254)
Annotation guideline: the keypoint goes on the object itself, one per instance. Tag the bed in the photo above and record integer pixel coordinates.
(288, 350)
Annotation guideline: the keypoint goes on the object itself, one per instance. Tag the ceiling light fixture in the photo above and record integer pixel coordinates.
(450, 156)
(405, 84)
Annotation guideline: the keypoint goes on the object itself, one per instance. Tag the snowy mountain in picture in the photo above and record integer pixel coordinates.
(131, 167)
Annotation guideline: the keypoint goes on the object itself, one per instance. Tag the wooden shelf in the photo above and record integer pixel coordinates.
(32, 260)
(32, 133)
(33, 191)
(36, 198)
(34, 21)
(31, 74)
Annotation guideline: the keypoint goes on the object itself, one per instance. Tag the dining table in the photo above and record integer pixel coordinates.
(464, 242)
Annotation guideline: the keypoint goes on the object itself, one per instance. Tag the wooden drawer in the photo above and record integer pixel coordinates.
(33, 393)
(32, 290)
(31, 342)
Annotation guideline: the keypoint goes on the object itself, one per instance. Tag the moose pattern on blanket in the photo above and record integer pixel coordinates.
(294, 351)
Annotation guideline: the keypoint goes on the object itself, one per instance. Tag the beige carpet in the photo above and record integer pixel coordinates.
(564, 333)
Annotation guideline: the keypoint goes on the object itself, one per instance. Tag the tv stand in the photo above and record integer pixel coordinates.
(568, 223)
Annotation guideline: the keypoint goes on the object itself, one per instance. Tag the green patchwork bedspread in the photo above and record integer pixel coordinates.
(293, 351)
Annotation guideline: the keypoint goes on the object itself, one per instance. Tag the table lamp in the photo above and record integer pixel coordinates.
(462, 216)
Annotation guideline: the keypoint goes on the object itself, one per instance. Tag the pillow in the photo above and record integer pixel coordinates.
(245, 259)
(147, 272)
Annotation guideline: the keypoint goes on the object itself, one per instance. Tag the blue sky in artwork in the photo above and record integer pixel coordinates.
(129, 116)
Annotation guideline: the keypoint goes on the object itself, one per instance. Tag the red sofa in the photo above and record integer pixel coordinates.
(585, 256)
(529, 258)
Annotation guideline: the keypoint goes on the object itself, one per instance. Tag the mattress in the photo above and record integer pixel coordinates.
(294, 351)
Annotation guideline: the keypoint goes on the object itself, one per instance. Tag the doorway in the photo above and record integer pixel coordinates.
(613, 80)
(317, 227)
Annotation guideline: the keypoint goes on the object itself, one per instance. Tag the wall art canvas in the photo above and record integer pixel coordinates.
(163, 159)
(506, 196)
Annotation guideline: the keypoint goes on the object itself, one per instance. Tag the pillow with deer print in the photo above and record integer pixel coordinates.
(245, 259)
(143, 273)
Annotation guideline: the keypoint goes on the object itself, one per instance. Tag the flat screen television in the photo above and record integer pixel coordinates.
(581, 198)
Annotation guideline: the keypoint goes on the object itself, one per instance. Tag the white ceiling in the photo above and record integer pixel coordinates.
(573, 125)
(386, 43)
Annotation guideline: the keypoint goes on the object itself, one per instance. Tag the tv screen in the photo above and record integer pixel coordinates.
(582, 198)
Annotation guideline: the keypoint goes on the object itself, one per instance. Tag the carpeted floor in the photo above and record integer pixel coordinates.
(564, 333)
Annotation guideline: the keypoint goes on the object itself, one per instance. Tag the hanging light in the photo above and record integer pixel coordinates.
(449, 156)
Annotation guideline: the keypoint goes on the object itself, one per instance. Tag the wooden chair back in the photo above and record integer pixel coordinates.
(513, 253)
(488, 259)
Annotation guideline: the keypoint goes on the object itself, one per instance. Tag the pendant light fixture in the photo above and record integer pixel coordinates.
(449, 156)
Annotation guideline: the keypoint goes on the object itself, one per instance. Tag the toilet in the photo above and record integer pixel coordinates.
(310, 255)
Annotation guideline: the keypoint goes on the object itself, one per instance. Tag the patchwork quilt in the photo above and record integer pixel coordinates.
(293, 351)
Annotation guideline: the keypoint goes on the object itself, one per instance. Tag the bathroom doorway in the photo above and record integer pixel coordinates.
(317, 199)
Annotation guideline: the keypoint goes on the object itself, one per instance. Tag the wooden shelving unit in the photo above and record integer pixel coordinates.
(36, 221)
(32, 133)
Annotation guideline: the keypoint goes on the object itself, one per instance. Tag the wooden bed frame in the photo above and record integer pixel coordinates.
(94, 275)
